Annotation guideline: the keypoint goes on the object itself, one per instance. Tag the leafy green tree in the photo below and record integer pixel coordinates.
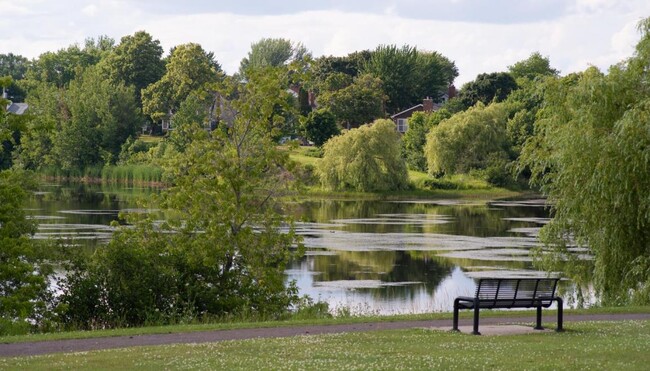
(486, 88)
(468, 140)
(591, 155)
(98, 118)
(415, 137)
(63, 66)
(189, 68)
(136, 61)
(36, 142)
(231, 241)
(359, 103)
(365, 159)
(409, 75)
(272, 53)
(320, 126)
(534, 66)
(16, 67)
(395, 67)
(23, 276)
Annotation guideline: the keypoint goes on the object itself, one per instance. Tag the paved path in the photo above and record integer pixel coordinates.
(80, 345)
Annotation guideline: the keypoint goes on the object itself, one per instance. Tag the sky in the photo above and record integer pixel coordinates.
(480, 36)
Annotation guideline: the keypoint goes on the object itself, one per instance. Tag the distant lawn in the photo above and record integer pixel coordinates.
(587, 345)
(423, 185)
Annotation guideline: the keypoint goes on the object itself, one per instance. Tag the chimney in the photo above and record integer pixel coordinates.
(4, 93)
(427, 104)
(451, 91)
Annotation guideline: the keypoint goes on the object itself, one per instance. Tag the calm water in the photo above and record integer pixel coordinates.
(367, 256)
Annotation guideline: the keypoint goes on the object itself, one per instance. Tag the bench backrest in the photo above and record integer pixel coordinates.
(516, 292)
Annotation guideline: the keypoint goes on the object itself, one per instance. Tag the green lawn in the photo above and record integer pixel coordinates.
(587, 345)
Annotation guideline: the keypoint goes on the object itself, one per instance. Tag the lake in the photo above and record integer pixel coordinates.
(370, 257)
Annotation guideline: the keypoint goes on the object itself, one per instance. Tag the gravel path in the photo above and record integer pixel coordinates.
(80, 345)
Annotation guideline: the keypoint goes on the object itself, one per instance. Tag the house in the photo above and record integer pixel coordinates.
(401, 118)
(427, 105)
(15, 108)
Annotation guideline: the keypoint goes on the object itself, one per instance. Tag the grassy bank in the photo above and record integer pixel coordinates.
(586, 345)
(422, 185)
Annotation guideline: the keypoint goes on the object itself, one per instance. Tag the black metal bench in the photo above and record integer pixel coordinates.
(494, 293)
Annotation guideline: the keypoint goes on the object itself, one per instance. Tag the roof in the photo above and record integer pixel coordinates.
(419, 107)
(17, 108)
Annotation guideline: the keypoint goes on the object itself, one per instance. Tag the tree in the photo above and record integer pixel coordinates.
(14, 66)
(231, 241)
(23, 275)
(534, 66)
(136, 61)
(365, 159)
(356, 104)
(409, 75)
(320, 126)
(591, 155)
(98, 117)
(189, 68)
(415, 137)
(11, 128)
(468, 140)
(272, 53)
(486, 88)
(63, 66)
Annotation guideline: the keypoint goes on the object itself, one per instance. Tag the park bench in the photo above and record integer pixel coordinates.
(494, 293)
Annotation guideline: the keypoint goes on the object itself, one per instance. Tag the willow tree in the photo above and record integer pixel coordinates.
(365, 159)
(591, 156)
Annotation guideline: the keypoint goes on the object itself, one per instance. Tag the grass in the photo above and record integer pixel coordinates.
(587, 345)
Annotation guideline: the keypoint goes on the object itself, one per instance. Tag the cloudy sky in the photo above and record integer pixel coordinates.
(479, 35)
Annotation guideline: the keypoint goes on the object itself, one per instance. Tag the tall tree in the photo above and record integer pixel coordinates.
(189, 68)
(534, 66)
(409, 75)
(272, 53)
(591, 155)
(99, 117)
(136, 61)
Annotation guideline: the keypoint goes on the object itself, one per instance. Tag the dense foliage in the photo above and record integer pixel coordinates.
(591, 155)
(468, 140)
(225, 244)
(365, 159)
(23, 274)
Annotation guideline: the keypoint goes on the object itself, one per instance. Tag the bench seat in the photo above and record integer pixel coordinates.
(506, 293)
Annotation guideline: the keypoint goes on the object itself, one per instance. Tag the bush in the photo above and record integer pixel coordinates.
(365, 159)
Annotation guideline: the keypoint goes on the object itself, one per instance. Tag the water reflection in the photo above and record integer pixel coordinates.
(367, 256)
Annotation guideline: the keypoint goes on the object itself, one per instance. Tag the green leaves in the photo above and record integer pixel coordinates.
(365, 159)
(591, 154)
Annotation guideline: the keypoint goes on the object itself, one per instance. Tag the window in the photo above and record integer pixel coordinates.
(402, 125)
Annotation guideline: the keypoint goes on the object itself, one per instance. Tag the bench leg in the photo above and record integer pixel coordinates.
(560, 315)
(476, 307)
(539, 319)
(455, 323)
